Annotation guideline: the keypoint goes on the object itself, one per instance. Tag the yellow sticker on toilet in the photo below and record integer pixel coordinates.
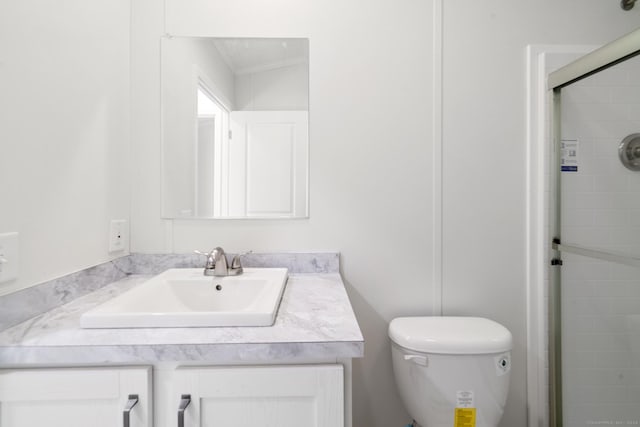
(465, 417)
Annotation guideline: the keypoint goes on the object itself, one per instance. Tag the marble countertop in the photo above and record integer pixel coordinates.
(315, 321)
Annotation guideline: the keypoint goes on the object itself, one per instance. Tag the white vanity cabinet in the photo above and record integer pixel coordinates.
(295, 373)
(203, 396)
(265, 396)
(76, 397)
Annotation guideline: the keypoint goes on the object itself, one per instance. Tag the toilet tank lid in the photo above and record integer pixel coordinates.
(450, 335)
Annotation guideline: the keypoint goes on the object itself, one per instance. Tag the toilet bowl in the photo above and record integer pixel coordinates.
(451, 371)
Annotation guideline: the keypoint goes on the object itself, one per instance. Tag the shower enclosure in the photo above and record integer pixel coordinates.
(594, 298)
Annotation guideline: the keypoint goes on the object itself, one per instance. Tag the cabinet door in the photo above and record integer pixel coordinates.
(74, 397)
(267, 396)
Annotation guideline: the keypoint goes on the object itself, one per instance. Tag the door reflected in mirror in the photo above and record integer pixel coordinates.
(235, 133)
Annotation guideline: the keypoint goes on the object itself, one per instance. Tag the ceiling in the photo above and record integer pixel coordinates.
(246, 55)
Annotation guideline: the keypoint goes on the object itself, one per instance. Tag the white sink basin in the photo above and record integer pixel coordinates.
(184, 297)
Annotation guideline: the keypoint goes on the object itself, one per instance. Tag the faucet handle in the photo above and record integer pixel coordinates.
(236, 259)
(210, 259)
(207, 254)
(236, 265)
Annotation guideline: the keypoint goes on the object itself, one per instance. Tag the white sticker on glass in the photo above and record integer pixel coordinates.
(569, 155)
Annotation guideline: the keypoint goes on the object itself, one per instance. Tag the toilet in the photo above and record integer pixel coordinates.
(451, 371)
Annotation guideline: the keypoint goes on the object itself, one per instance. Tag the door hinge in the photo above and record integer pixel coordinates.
(230, 134)
(556, 261)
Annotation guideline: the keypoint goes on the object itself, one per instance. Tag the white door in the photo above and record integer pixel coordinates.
(75, 397)
(268, 163)
(204, 161)
(266, 396)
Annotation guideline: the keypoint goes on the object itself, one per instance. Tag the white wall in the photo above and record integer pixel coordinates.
(484, 164)
(370, 158)
(64, 132)
(284, 88)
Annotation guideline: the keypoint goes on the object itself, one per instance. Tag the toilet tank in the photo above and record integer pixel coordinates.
(448, 367)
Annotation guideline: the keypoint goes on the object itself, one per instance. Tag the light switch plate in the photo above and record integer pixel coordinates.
(118, 233)
(9, 257)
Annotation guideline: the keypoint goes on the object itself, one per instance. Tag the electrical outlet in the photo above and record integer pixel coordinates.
(8, 257)
(118, 235)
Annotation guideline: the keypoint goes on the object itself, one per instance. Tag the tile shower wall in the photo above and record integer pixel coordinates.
(601, 203)
(601, 210)
(601, 352)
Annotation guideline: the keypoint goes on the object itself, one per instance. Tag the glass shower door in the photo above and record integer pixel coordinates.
(598, 242)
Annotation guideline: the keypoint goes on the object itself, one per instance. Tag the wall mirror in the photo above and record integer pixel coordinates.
(235, 139)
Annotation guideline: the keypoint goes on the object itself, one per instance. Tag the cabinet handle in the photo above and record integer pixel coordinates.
(133, 400)
(185, 400)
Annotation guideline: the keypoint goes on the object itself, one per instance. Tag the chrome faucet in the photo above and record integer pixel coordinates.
(216, 264)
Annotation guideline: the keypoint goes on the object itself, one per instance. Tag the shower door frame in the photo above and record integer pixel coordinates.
(600, 59)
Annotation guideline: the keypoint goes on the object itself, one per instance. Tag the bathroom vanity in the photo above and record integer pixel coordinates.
(294, 373)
